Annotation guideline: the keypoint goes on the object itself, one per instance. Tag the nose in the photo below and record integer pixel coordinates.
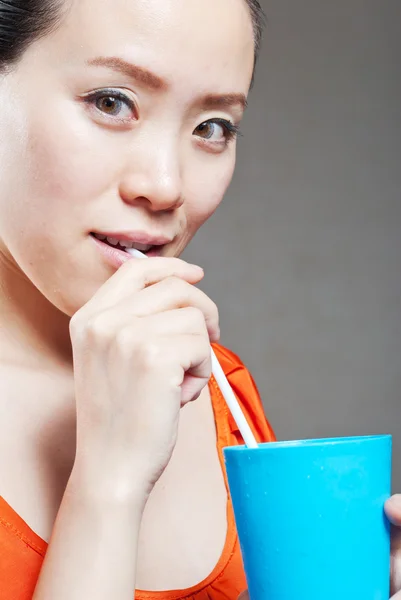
(153, 180)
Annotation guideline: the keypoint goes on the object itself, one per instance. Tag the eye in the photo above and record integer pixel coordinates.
(217, 131)
(112, 104)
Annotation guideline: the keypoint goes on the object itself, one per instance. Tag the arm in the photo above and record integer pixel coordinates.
(141, 349)
(93, 548)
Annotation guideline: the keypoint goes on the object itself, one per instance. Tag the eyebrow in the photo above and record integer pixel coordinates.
(224, 101)
(154, 82)
(120, 65)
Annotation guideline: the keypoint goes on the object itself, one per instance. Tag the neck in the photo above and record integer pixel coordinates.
(33, 332)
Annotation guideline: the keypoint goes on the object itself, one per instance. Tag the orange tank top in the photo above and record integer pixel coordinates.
(22, 550)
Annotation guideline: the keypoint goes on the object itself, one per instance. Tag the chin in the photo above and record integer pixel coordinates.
(70, 292)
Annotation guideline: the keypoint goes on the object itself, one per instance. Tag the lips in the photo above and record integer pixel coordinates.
(138, 240)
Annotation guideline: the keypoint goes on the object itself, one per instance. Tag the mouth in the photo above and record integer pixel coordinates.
(137, 241)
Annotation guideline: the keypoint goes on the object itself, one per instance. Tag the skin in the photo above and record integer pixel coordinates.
(71, 169)
(67, 169)
(81, 172)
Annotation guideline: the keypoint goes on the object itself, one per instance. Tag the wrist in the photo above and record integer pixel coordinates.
(101, 487)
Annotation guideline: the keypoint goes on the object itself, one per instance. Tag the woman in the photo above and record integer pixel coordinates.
(117, 129)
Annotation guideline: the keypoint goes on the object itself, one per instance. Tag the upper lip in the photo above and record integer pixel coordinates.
(138, 237)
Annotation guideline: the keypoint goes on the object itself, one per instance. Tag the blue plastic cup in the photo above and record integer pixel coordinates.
(310, 517)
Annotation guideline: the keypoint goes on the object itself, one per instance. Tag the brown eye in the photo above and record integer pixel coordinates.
(109, 105)
(112, 104)
(206, 130)
(217, 130)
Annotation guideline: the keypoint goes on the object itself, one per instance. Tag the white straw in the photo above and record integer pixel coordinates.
(232, 403)
(224, 386)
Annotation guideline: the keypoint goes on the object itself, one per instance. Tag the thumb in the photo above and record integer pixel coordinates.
(393, 509)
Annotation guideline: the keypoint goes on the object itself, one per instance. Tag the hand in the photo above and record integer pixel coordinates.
(393, 511)
(141, 351)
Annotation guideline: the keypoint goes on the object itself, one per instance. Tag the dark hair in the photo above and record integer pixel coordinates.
(24, 21)
(259, 22)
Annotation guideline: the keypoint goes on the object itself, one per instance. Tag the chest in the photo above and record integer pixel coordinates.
(184, 525)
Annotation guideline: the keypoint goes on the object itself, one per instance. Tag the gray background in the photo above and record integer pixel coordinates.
(304, 255)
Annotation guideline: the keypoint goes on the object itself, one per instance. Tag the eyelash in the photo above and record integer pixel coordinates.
(92, 98)
(231, 131)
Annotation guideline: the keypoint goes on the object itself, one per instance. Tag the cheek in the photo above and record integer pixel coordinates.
(61, 161)
(66, 170)
(55, 175)
(54, 172)
(208, 191)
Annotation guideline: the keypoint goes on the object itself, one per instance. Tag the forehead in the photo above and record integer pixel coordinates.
(187, 41)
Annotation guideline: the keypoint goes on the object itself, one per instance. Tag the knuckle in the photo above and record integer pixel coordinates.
(128, 340)
(152, 353)
(99, 328)
(79, 326)
(123, 341)
(92, 331)
(135, 342)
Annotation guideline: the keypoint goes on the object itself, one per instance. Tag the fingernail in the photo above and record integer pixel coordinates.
(198, 268)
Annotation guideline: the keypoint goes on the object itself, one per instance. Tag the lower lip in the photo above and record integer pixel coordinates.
(115, 257)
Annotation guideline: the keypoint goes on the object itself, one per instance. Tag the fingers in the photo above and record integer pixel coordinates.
(393, 509)
(152, 286)
(244, 596)
(187, 320)
(187, 306)
(174, 293)
(137, 274)
(178, 354)
(185, 358)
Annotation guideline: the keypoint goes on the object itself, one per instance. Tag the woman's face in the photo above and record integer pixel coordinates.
(121, 122)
